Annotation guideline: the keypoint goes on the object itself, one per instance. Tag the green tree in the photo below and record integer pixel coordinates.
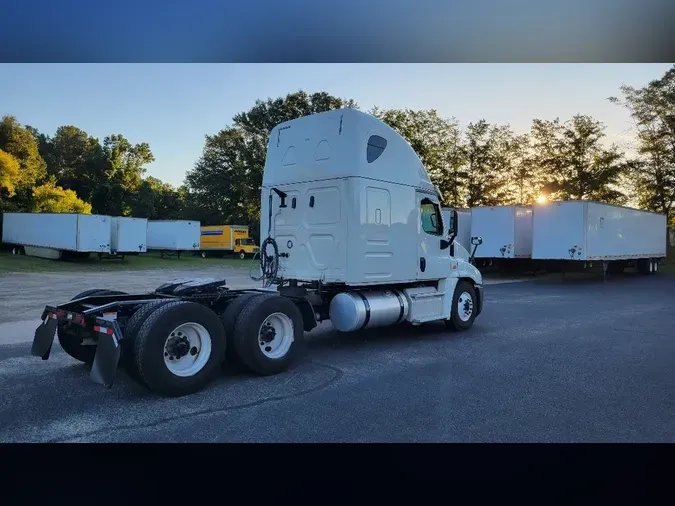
(156, 199)
(126, 161)
(49, 198)
(221, 182)
(437, 141)
(74, 158)
(10, 170)
(519, 175)
(575, 163)
(491, 159)
(118, 174)
(20, 143)
(653, 111)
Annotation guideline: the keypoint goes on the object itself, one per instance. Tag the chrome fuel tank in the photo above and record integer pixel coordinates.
(350, 311)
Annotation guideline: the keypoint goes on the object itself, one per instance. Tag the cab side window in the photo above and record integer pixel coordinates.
(432, 223)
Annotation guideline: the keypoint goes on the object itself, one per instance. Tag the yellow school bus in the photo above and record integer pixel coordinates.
(221, 240)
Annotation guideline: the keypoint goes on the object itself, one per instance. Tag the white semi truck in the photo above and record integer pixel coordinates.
(353, 233)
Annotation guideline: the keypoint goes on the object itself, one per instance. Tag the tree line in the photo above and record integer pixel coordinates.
(480, 164)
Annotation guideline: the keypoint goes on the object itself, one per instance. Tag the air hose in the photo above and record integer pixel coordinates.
(269, 264)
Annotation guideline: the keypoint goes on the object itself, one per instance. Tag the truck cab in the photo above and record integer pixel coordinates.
(245, 246)
(349, 204)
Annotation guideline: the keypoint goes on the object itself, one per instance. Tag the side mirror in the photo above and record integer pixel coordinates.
(445, 244)
(475, 241)
(453, 225)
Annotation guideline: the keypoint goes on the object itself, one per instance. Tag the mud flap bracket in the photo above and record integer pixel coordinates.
(108, 352)
(44, 336)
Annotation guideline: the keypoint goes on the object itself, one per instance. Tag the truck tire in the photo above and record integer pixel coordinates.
(268, 333)
(644, 266)
(242, 255)
(70, 337)
(229, 319)
(130, 331)
(463, 309)
(179, 348)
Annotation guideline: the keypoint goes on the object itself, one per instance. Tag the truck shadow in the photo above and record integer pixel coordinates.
(326, 337)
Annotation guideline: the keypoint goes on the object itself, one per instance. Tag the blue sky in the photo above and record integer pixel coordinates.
(173, 106)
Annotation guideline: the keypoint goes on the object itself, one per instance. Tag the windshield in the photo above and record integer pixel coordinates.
(248, 242)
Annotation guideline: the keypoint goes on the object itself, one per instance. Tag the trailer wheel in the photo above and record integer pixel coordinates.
(203, 254)
(655, 268)
(179, 348)
(268, 333)
(644, 266)
(130, 331)
(70, 336)
(463, 309)
(242, 255)
(229, 319)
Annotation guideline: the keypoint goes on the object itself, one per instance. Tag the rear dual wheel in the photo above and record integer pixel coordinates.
(267, 333)
(647, 266)
(176, 347)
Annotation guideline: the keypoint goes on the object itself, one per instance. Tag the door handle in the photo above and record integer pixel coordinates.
(423, 264)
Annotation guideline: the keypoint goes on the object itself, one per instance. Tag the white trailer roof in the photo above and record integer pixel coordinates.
(341, 143)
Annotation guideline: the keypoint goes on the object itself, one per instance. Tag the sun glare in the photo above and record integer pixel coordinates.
(541, 199)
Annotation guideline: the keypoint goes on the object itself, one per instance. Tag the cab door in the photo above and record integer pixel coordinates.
(433, 261)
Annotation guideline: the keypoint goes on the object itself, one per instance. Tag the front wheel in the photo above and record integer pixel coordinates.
(464, 305)
(242, 255)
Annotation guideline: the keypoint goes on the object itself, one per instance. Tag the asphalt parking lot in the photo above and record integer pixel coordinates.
(579, 361)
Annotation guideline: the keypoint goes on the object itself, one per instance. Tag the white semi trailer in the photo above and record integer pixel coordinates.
(506, 233)
(173, 237)
(56, 235)
(128, 235)
(581, 233)
(353, 233)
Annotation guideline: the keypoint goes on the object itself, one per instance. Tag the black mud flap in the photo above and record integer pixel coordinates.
(44, 338)
(108, 351)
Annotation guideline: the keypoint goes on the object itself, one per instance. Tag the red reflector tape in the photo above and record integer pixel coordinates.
(103, 330)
